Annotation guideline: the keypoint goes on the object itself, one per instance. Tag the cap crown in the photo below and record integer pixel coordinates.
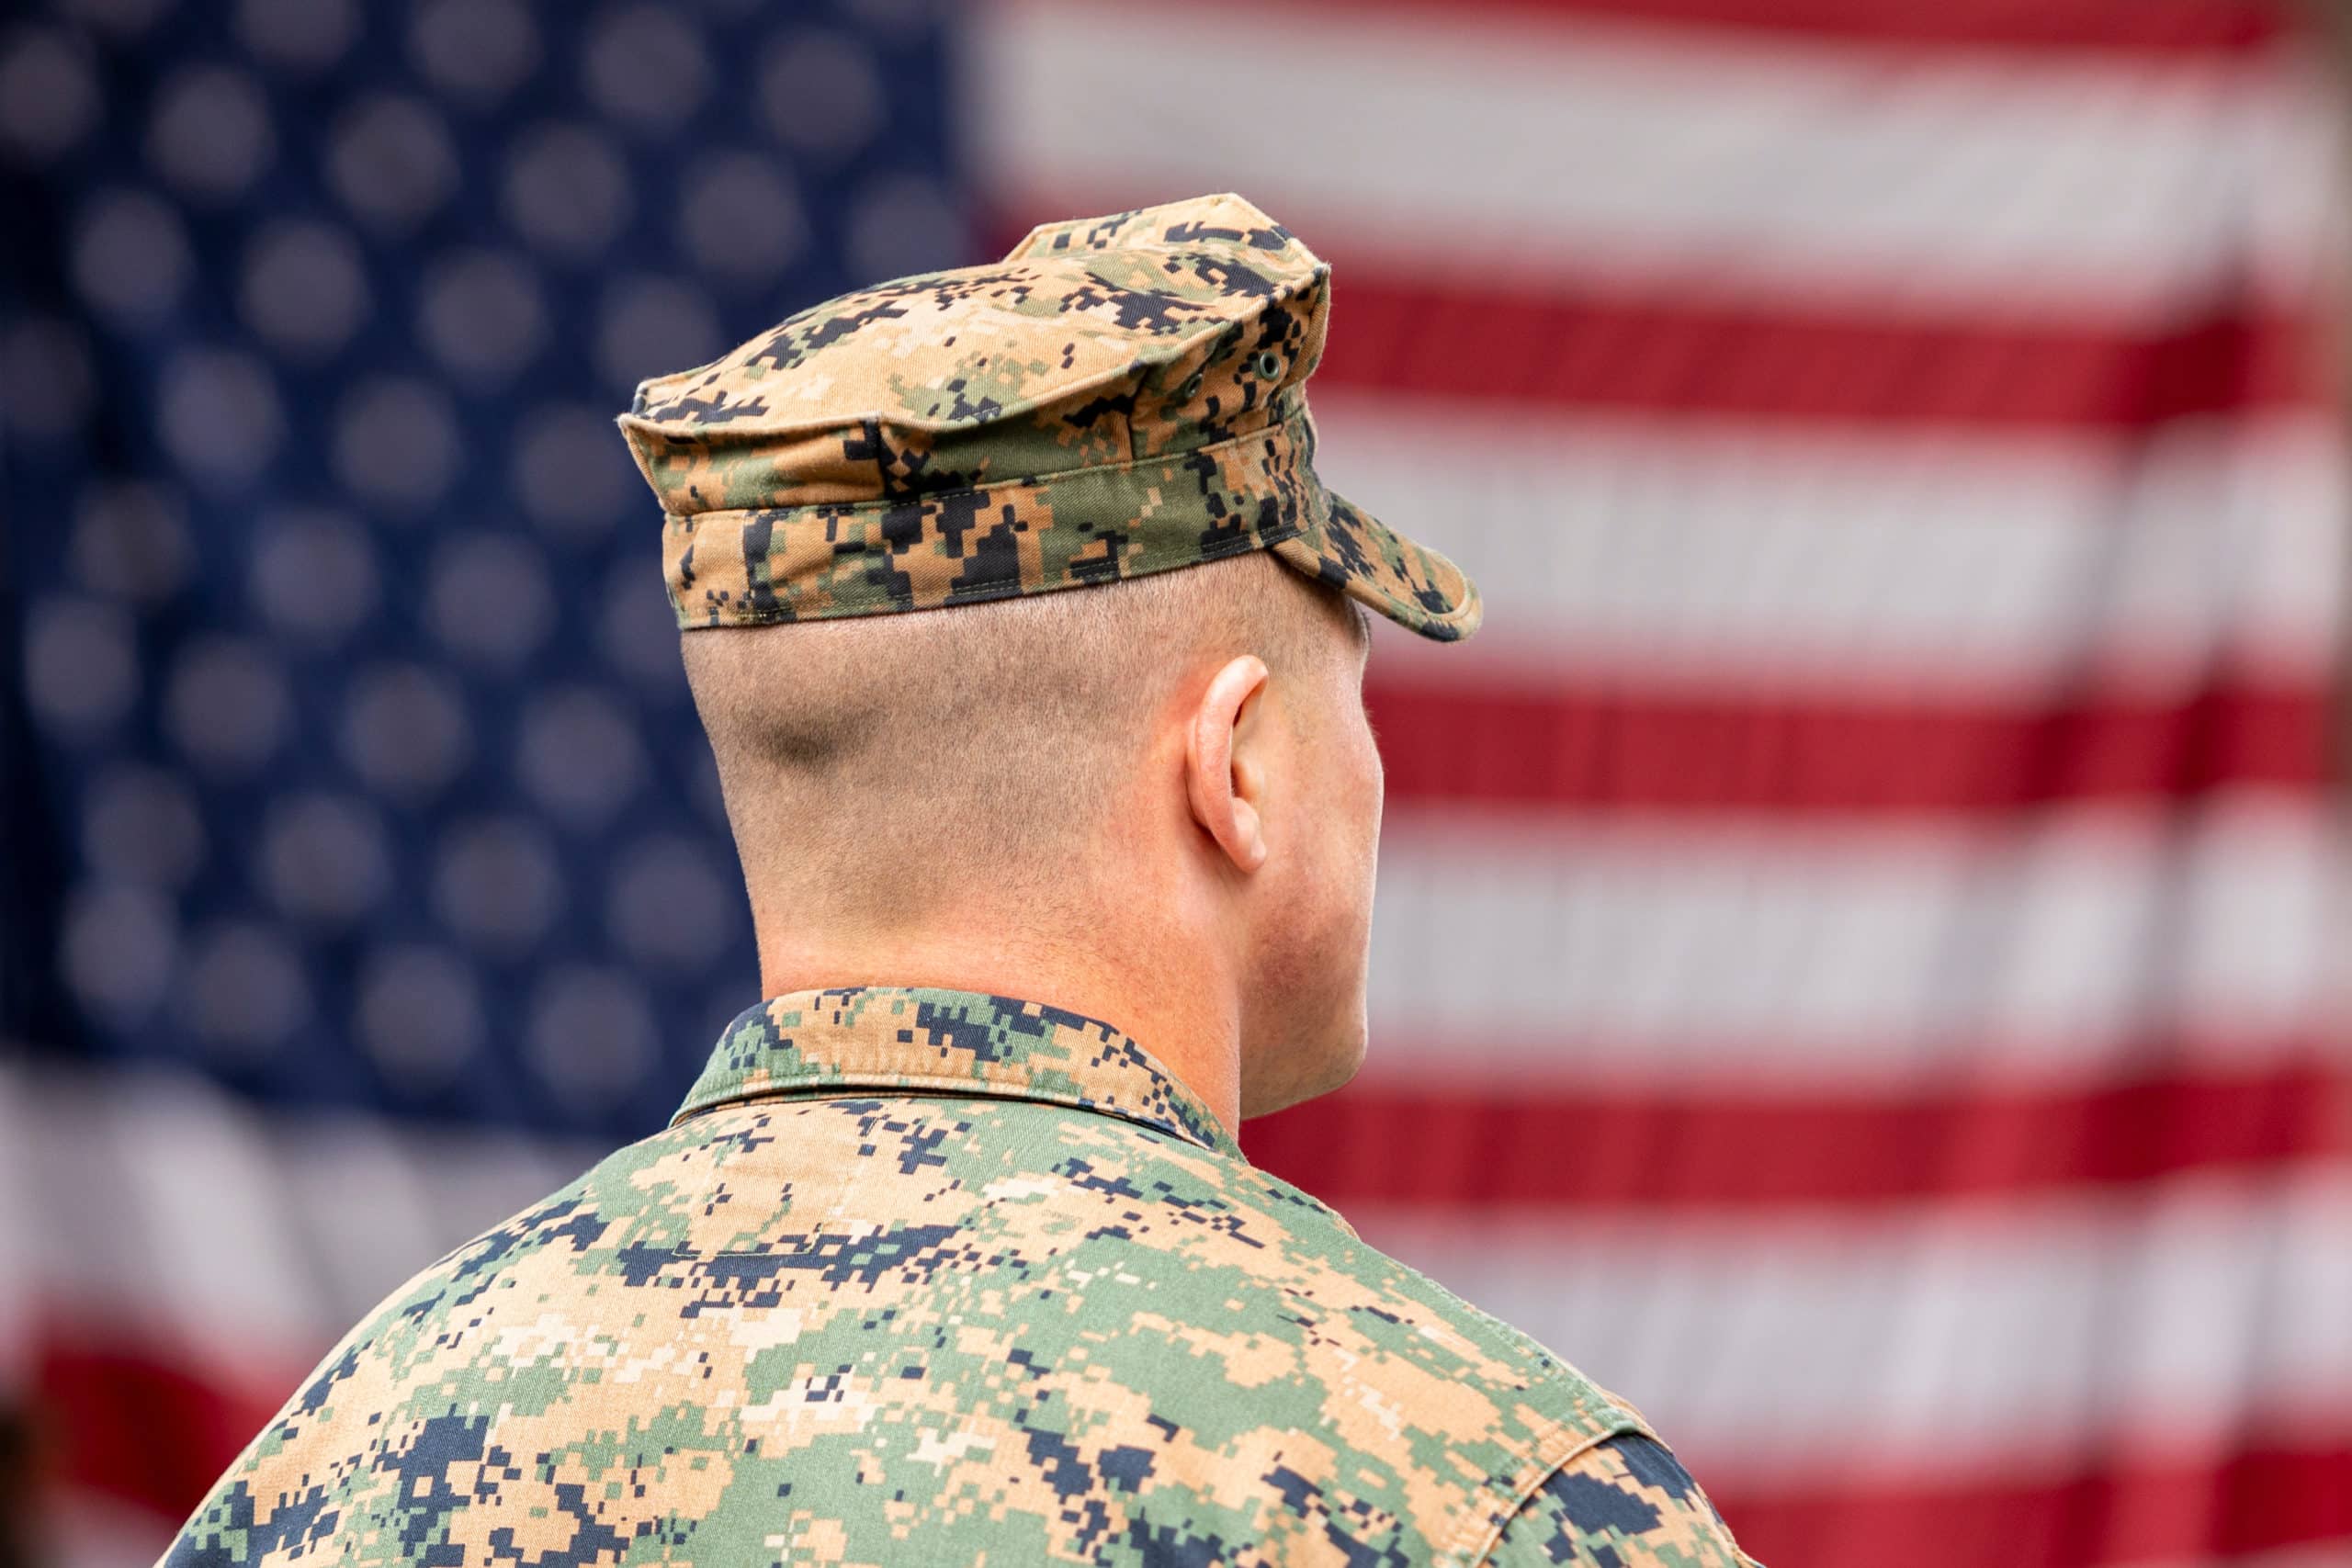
(1095, 342)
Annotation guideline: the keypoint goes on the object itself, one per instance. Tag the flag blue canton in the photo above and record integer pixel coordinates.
(349, 759)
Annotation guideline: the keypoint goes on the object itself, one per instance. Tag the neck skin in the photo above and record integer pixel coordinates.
(1145, 960)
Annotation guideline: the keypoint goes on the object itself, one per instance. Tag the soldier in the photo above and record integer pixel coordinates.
(951, 1256)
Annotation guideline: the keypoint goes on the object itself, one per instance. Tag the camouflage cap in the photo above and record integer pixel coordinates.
(1119, 395)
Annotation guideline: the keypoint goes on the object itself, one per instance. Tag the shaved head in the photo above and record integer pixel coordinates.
(874, 765)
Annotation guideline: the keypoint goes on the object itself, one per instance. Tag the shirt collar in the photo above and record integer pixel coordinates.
(954, 1041)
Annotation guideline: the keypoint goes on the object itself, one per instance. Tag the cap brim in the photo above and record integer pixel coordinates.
(1379, 567)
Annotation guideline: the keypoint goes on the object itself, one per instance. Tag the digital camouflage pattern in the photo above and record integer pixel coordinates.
(1120, 395)
(930, 1276)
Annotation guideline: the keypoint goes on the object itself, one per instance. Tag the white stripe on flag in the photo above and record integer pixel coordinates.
(181, 1218)
(1642, 951)
(89, 1531)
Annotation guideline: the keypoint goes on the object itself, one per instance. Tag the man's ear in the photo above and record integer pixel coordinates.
(1222, 777)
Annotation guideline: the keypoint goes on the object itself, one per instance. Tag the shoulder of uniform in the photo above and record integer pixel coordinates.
(1421, 1303)
(1435, 1347)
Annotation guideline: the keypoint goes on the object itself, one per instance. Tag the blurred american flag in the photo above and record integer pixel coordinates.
(1859, 946)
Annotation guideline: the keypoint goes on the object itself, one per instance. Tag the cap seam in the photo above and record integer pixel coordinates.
(1022, 251)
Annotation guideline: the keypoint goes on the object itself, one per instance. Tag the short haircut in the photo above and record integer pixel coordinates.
(868, 763)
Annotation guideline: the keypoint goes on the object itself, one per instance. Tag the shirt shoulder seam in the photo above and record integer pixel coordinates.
(1478, 1541)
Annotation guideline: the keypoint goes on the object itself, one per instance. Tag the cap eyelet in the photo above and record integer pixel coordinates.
(1268, 365)
(1191, 387)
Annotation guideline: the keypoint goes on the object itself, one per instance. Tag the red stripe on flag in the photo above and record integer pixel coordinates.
(2264, 1498)
(2162, 28)
(115, 1417)
(1594, 746)
(1531, 346)
(1400, 1143)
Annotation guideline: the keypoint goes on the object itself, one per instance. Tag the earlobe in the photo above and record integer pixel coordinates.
(1223, 781)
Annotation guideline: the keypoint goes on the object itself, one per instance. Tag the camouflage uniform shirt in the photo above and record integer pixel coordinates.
(932, 1277)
